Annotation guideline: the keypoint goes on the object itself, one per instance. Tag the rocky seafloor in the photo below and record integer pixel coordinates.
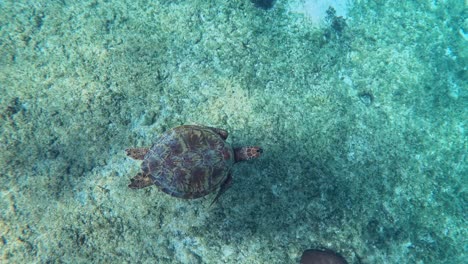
(362, 120)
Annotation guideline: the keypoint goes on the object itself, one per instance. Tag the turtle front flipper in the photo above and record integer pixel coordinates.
(140, 181)
(221, 132)
(224, 186)
(137, 153)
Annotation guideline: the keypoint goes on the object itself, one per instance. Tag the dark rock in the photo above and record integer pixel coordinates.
(316, 256)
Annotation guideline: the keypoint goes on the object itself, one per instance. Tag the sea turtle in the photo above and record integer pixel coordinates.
(189, 162)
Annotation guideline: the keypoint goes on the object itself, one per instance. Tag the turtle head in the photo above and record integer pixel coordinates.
(247, 153)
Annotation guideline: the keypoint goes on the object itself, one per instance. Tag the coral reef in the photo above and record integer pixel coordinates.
(363, 131)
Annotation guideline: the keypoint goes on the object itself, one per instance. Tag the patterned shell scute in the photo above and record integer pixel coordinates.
(189, 161)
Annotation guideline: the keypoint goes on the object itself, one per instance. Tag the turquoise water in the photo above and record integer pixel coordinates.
(361, 115)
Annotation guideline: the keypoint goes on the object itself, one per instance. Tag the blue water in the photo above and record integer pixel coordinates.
(360, 110)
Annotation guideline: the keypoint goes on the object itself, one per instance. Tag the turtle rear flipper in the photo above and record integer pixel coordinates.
(137, 153)
(140, 181)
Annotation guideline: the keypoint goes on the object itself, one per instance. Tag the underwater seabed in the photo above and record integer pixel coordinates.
(361, 117)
